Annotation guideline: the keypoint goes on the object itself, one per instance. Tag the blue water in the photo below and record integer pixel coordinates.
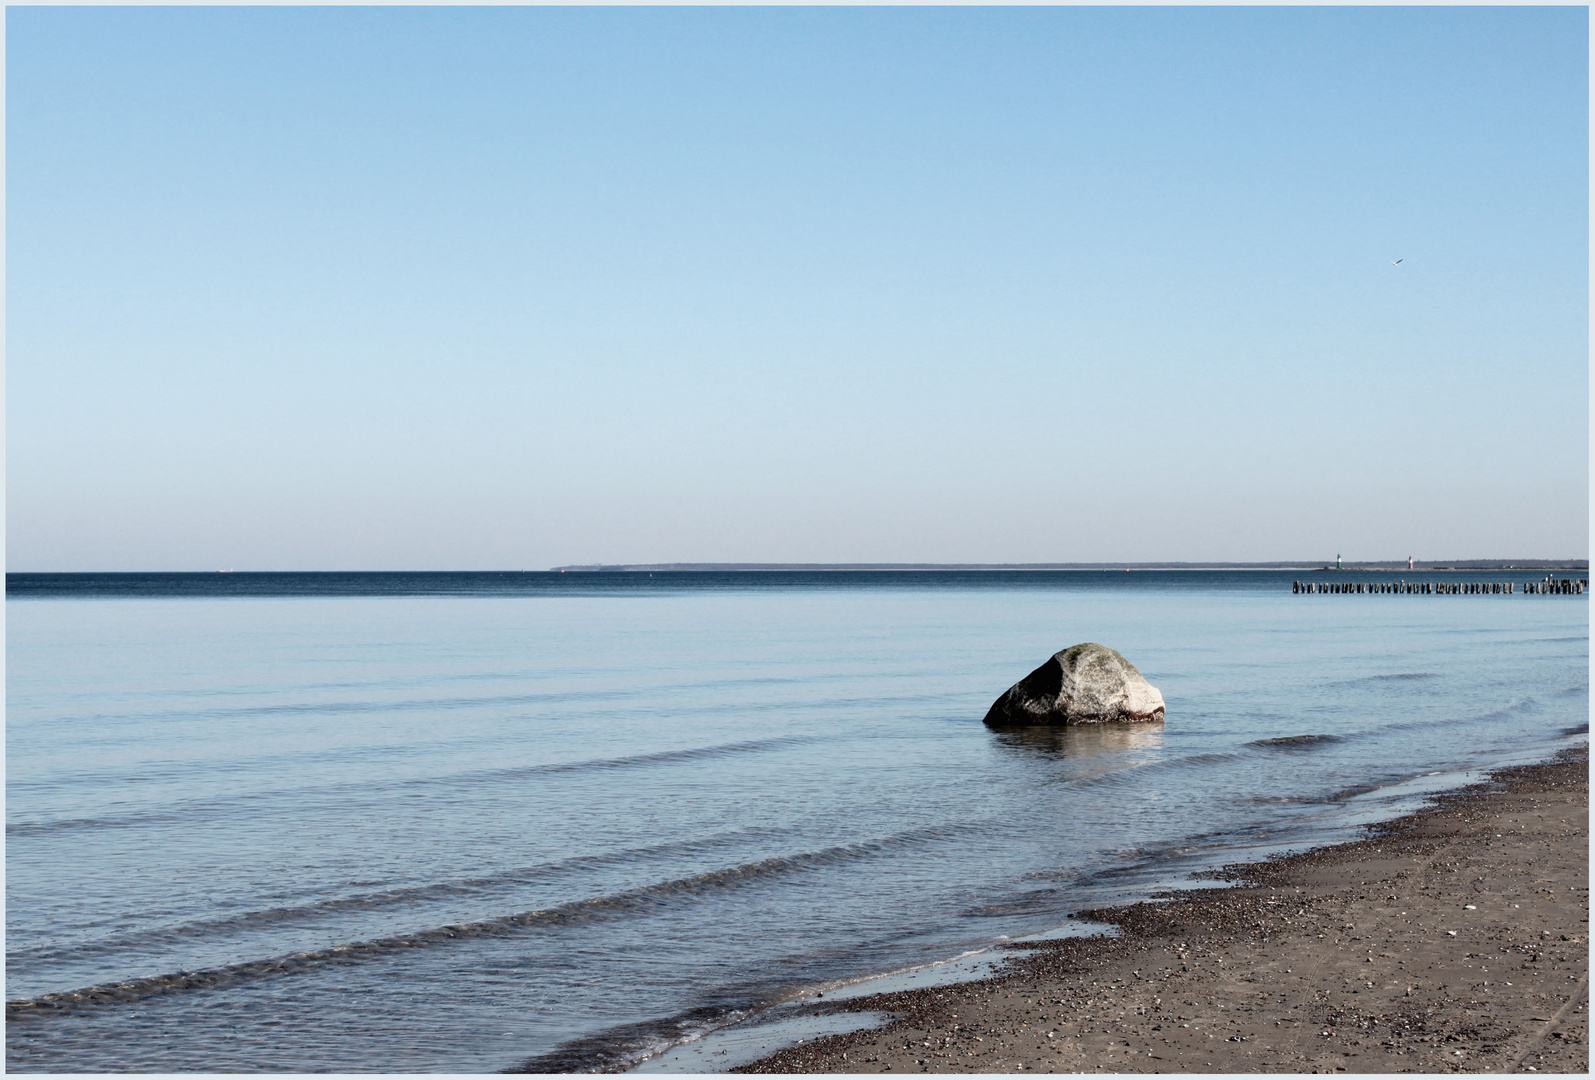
(475, 822)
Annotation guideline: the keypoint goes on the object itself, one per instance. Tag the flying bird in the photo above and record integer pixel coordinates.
(1398, 262)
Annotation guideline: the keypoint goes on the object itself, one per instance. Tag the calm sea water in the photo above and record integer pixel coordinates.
(476, 822)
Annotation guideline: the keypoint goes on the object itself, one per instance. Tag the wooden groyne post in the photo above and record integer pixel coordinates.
(1548, 587)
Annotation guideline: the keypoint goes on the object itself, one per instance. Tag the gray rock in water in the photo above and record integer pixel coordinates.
(1083, 684)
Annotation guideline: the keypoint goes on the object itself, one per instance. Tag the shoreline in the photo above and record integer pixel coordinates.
(1363, 957)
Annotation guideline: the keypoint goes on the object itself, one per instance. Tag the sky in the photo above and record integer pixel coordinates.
(510, 288)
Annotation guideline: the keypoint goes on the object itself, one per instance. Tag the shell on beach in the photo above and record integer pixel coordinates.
(1083, 684)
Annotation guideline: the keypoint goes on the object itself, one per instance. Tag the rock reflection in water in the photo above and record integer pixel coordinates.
(1081, 740)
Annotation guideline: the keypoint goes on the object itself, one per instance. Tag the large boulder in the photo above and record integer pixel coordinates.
(1083, 684)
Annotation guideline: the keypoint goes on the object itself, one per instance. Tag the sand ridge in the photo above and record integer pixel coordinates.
(1452, 940)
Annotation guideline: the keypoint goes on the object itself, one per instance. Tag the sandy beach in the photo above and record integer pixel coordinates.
(1452, 940)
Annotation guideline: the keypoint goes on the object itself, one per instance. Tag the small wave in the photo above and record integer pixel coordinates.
(663, 757)
(644, 900)
(356, 706)
(738, 703)
(1396, 677)
(22, 829)
(487, 885)
(1154, 859)
(1036, 902)
(1523, 706)
(618, 1047)
(1296, 742)
(200, 811)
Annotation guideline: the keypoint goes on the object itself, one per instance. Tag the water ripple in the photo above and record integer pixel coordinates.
(631, 902)
(190, 812)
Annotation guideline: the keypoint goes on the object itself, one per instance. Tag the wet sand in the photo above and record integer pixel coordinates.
(1453, 940)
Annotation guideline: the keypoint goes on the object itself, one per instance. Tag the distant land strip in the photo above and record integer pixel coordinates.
(1303, 564)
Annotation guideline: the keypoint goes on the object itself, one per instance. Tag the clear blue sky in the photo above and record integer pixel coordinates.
(356, 288)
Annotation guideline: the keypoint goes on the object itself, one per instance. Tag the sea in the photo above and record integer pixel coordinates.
(581, 821)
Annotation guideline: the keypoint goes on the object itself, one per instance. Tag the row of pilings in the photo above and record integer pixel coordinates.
(1546, 587)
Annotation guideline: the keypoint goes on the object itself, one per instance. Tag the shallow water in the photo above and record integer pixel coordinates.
(567, 822)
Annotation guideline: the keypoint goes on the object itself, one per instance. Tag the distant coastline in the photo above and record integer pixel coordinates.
(1303, 564)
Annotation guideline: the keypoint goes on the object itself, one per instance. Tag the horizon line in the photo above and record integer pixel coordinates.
(1299, 564)
(724, 567)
